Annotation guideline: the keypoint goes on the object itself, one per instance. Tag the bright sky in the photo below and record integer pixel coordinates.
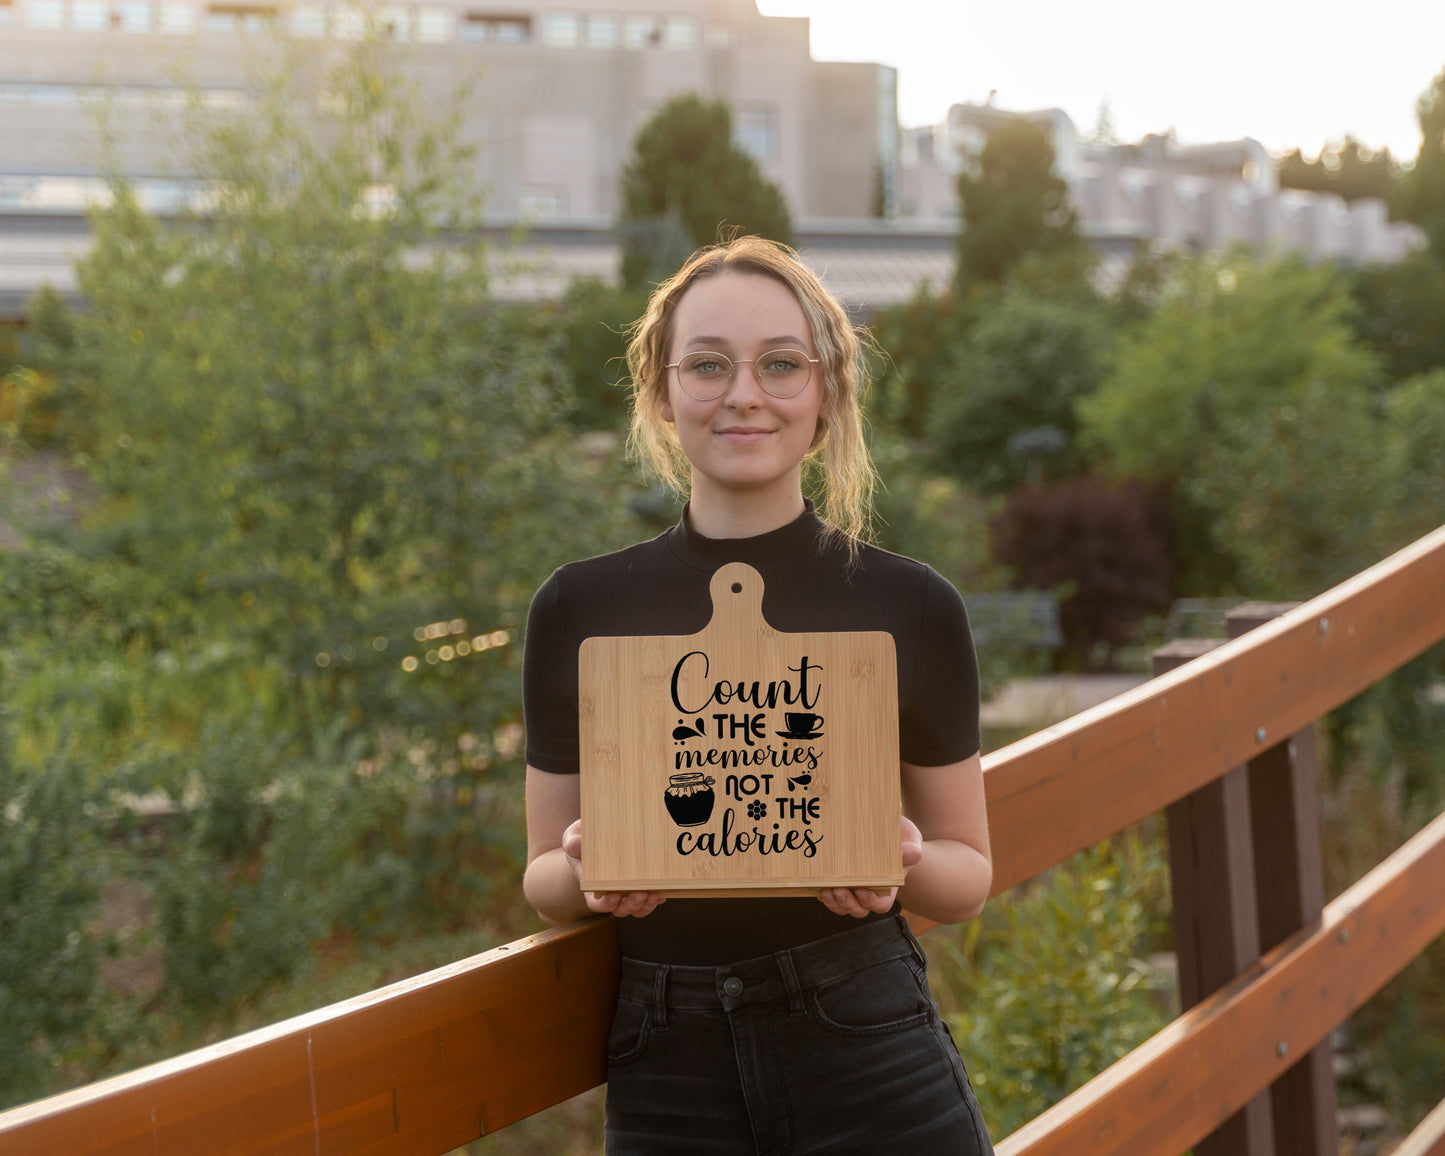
(1284, 72)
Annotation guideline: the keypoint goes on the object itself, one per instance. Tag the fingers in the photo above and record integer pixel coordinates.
(858, 902)
(912, 843)
(572, 840)
(636, 904)
(621, 903)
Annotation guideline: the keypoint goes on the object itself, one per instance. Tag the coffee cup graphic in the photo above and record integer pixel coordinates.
(801, 725)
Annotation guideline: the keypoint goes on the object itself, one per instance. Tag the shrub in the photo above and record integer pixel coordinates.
(1105, 544)
(49, 962)
(1048, 989)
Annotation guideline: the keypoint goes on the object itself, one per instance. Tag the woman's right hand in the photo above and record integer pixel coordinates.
(621, 903)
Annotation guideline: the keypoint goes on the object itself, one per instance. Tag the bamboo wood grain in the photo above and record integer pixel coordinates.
(1178, 1086)
(667, 807)
(1073, 784)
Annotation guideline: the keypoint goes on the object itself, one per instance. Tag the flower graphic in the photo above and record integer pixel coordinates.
(757, 809)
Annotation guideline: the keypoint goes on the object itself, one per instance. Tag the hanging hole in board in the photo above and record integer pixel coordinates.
(737, 587)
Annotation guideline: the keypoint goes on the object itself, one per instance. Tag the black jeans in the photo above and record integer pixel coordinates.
(835, 1046)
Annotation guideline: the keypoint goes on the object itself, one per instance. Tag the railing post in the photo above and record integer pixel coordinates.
(1289, 869)
(1216, 922)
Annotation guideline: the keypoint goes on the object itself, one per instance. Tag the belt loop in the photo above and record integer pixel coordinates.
(912, 941)
(659, 998)
(784, 960)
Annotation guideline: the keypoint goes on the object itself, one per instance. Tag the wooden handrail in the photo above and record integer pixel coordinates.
(1173, 1090)
(428, 1064)
(421, 1066)
(1071, 785)
(1428, 1138)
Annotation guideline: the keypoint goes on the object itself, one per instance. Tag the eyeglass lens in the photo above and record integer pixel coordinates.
(782, 373)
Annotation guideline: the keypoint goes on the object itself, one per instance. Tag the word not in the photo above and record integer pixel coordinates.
(749, 785)
(754, 693)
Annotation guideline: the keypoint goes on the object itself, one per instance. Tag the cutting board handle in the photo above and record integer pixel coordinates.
(737, 598)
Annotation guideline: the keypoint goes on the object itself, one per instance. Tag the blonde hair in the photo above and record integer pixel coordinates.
(838, 453)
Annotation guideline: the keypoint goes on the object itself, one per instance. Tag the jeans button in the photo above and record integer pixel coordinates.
(733, 985)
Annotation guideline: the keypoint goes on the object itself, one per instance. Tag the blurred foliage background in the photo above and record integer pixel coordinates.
(303, 468)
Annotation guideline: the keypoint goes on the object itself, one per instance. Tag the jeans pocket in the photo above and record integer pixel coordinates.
(886, 997)
(631, 1031)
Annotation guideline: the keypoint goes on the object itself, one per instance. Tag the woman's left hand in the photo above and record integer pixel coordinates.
(861, 901)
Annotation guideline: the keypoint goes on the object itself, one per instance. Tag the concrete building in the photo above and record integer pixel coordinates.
(559, 89)
(1198, 197)
(557, 95)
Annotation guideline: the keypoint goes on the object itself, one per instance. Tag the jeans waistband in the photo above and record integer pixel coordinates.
(782, 975)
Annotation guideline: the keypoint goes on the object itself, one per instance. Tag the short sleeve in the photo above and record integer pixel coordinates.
(549, 684)
(938, 708)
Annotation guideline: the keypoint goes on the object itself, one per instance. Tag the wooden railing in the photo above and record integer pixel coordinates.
(431, 1063)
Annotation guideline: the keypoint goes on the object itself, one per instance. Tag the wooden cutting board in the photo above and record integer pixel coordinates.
(739, 760)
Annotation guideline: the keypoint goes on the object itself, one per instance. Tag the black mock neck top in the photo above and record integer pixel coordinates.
(810, 584)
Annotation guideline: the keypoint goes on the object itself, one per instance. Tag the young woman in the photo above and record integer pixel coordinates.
(770, 1025)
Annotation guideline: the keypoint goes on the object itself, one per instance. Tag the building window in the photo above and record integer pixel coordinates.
(679, 32)
(514, 30)
(479, 27)
(543, 203)
(238, 18)
(718, 36)
(640, 31)
(755, 132)
(134, 16)
(307, 23)
(560, 30)
(44, 14)
(434, 25)
(177, 19)
(89, 15)
(59, 95)
(348, 23)
(601, 32)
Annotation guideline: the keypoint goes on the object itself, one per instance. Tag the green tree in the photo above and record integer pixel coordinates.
(1248, 388)
(1014, 205)
(1347, 168)
(686, 185)
(1002, 412)
(329, 470)
(312, 430)
(589, 325)
(1415, 412)
(1422, 189)
(916, 343)
(1401, 313)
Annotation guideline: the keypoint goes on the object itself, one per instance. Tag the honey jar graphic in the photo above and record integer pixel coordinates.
(689, 798)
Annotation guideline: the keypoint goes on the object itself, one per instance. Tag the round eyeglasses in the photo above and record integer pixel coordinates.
(783, 373)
